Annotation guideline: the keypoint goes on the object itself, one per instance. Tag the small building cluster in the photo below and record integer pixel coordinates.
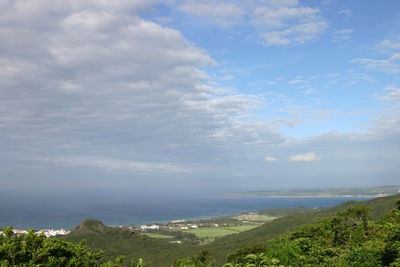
(46, 232)
(52, 232)
(149, 227)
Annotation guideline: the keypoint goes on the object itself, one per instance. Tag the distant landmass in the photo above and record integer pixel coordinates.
(380, 191)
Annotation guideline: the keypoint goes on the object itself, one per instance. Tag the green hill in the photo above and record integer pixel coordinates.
(115, 241)
(259, 235)
(90, 226)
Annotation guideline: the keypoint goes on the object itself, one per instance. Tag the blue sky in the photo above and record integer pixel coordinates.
(199, 95)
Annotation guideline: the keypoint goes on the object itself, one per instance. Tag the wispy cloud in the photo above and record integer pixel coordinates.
(286, 22)
(306, 157)
(392, 94)
(270, 159)
(386, 65)
(119, 165)
(341, 35)
(389, 45)
(391, 64)
(276, 22)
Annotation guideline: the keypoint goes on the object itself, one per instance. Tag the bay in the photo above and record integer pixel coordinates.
(66, 212)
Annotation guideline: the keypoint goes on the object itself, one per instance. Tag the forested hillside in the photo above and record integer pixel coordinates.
(350, 234)
(348, 238)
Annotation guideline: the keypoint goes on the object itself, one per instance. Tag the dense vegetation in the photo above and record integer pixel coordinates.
(349, 234)
(346, 239)
(36, 250)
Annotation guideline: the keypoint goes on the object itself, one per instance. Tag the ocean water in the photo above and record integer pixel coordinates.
(67, 212)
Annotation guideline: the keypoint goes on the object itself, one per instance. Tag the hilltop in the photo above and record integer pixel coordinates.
(90, 226)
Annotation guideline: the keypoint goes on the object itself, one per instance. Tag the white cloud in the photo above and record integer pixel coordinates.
(286, 23)
(344, 31)
(389, 45)
(270, 159)
(93, 86)
(298, 34)
(306, 157)
(385, 65)
(277, 22)
(391, 64)
(295, 81)
(393, 95)
(120, 165)
(87, 80)
(343, 34)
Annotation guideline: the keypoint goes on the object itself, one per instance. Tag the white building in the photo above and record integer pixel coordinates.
(149, 227)
(52, 232)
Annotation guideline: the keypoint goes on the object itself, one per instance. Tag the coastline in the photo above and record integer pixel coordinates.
(302, 196)
(130, 213)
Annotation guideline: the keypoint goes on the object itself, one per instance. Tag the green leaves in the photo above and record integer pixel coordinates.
(255, 260)
(347, 239)
(37, 250)
(201, 259)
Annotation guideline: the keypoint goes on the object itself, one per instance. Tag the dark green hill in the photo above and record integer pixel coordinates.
(115, 241)
(89, 226)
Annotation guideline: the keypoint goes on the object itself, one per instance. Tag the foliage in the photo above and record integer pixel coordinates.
(202, 259)
(239, 255)
(255, 260)
(36, 250)
(347, 239)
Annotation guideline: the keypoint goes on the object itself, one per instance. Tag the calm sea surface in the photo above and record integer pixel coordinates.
(42, 212)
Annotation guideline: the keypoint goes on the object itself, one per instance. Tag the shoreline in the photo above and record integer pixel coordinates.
(302, 196)
(224, 212)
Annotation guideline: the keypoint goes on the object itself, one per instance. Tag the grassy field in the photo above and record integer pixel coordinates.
(211, 232)
(154, 235)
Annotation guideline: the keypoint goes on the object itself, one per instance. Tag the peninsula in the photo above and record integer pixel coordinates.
(372, 192)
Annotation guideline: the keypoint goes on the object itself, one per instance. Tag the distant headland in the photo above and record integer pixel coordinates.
(380, 191)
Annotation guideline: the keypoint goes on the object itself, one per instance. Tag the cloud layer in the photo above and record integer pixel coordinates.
(104, 85)
(98, 87)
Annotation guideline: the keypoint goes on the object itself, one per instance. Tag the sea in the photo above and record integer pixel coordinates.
(50, 212)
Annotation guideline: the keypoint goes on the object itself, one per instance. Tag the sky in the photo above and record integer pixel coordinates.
(198, 96)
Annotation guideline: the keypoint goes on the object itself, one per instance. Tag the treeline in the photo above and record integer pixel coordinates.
(349, 238)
